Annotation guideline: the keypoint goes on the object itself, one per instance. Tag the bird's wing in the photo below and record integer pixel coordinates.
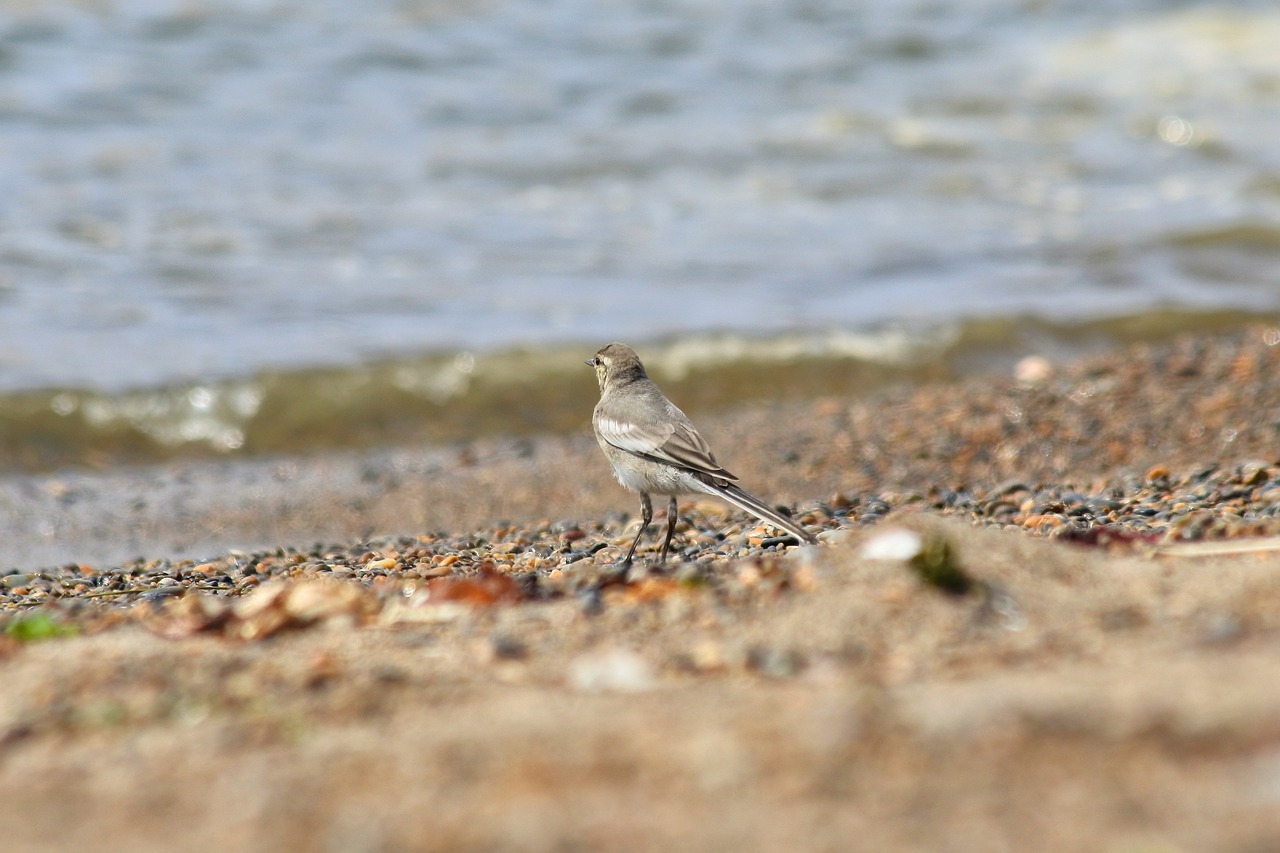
(626, 434)
(687, 449)
(671, 443)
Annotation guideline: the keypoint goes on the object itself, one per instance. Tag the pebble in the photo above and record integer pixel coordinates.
(968, 458)
(773, 662)
(1200, 502)
(611, 670)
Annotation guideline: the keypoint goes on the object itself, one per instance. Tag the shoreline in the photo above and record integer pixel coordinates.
(1085, 427)
(440, 399)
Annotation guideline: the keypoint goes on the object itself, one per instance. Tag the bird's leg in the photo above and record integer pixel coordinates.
(671, 530)
(646, 516)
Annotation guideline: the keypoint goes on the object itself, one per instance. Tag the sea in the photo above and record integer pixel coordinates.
(241, 227)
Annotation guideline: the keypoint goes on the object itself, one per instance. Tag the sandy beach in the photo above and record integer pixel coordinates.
(421, 648)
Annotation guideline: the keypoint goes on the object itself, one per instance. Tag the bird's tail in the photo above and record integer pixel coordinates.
(760, 510)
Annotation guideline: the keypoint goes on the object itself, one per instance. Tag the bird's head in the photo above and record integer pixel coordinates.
(616, 363)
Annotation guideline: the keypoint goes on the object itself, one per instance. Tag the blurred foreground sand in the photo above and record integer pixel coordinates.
(1124, 701)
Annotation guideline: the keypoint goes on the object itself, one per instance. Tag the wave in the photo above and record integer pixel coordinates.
(444, 398)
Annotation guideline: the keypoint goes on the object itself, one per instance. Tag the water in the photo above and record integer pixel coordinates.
(204, 207)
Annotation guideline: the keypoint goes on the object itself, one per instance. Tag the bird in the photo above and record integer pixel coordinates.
(654, 449)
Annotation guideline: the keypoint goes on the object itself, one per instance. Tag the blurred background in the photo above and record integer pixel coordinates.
(261, 226)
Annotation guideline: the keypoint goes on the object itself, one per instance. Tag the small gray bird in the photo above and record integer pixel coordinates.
(655, 450)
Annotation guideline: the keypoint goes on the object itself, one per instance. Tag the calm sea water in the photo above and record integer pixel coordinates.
(193, 194)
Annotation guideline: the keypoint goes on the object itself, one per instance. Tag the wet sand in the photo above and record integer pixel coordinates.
(418, 649)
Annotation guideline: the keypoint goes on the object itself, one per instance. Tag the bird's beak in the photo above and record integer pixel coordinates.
(592, 362)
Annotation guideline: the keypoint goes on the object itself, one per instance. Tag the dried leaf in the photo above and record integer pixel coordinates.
(651, 589)
(188, 615)
(280, 605)
(320, 598)
(484, 589)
